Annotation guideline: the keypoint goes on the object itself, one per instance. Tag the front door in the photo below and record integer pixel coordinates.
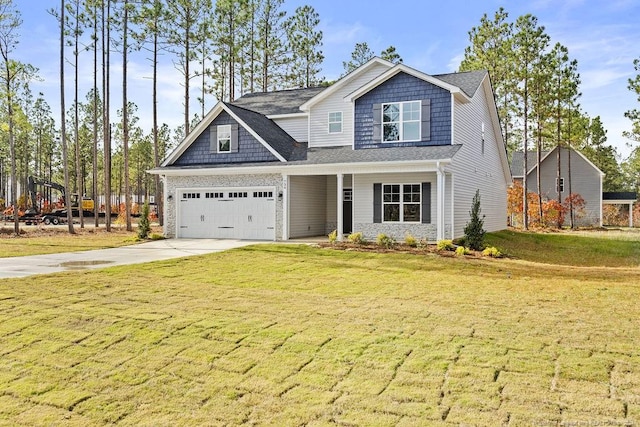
(347, 211)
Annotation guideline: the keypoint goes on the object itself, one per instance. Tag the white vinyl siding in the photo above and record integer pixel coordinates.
(474, 171)
(297, 127)
(318, 119)
(307, 216)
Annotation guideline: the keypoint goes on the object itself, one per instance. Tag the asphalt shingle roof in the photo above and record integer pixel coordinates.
(272, 134)
(278, 102)
(468, 81)
(301, 155)
(517, 161)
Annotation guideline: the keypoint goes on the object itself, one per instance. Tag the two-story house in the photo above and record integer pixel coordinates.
(386, 149)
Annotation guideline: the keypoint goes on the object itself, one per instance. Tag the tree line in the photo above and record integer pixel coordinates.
(224, 48)
(537, 90)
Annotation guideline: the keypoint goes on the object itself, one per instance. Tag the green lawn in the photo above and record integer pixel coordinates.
(56, 240)
(603, 248)
(292, 335)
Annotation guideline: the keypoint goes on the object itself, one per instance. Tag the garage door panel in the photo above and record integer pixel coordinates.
(228, 213)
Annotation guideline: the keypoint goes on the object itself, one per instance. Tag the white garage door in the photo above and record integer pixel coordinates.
(227, 213)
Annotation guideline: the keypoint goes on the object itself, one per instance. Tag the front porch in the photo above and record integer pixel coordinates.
(394, 203)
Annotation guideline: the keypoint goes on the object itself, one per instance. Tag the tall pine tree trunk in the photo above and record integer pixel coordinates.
(96, 205)
(106, 39)
(76, 133)
(125, 118)
(63, 127)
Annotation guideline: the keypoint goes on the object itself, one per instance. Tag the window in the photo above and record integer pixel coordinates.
(401, 202)
(401, 121)
(560, 188)
(224, 139)
(190, 195)
(335, 122)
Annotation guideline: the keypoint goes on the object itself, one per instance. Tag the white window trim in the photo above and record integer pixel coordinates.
(401, 203)
(221, 129)
(329, 122)
(560, 188)
(401, 121)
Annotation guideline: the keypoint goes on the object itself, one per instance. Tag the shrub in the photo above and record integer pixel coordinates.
(385, 241)
(409, 240)
(156, 236)
(461, 251)
(445, 245)
(333, 236)
(144, 227)
(492, 252)
(356, 238)
(474, 231)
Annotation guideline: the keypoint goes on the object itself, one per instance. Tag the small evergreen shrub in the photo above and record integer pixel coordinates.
(492, 252)
(385, 241)
(356, 238)
(445, 245)
(156, 236)
(144, 226)
(409, 240)
(333, 236)
(474, 231)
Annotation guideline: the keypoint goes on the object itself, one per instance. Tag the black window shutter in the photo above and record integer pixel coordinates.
(377, 203)
(426, 120)
(234, 138)
(426, 203)
(377, 123)
(213, 139)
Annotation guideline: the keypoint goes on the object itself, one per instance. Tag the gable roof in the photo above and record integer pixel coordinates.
(460, 94)
(345, 80)
(264, 130)
(279, 102)
(517, 160)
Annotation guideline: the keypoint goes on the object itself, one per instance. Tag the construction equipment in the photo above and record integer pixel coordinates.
(55, 216)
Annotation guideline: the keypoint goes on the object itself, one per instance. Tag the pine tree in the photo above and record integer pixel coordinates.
(361, 55)
(474, 231)
(634, 114)
(305, 40)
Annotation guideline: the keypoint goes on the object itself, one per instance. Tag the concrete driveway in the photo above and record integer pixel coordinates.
(134, 254)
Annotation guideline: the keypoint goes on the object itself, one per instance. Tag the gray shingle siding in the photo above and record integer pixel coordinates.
(249, 149)
(400, 88)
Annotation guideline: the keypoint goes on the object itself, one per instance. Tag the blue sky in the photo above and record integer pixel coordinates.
(604, 36)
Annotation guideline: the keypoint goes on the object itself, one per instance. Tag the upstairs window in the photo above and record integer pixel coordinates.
(401, 121)
(224, 139)
(335, 122)
(560, 185)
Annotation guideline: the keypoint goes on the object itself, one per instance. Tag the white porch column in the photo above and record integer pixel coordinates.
(440, 189)
(631, 215)
(339, 196)
(285, 207)
(453, 212)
